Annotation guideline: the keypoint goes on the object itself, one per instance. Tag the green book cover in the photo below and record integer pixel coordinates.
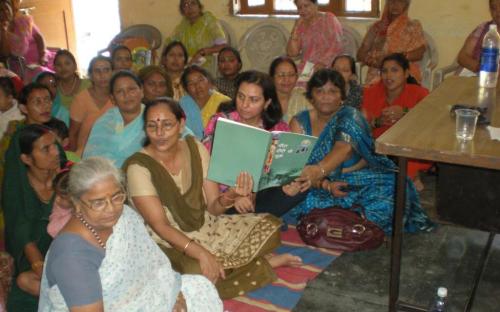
(272, 158)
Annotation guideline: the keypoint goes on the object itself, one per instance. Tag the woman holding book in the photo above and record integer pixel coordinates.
(185, 212)
(257, 105)
(343, 168)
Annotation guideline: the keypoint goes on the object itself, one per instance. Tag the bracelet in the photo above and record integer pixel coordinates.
(232, 200)
(323, 171)
(37, 264)
(187, 245)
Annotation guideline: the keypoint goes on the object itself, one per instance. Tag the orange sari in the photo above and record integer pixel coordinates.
(398, 36)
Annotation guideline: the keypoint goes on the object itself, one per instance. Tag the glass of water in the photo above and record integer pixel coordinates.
(466, 120)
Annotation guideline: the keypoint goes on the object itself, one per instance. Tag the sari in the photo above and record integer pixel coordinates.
(239, 242)
(196, 118)
(374, 184)
(66, 100)
(375, 100)
(60, 111)
(26, 220)
(401, 35)
(205, 32)
(321, 41)
(149, 283)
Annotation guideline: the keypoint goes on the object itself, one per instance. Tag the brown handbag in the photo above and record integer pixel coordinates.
(340, 228)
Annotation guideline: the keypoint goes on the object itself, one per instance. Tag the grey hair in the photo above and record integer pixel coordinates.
(88, 172)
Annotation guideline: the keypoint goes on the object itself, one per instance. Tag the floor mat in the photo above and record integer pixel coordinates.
(285, 292)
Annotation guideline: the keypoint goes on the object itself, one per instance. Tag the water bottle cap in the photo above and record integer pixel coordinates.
(442, 292)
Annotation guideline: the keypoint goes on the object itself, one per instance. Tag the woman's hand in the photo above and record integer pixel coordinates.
(180, 304)
(197, 57)
(335, 187)
(244, 184)
(210, 268)
(390, 115)
(312, 174)
(244, 204)
(295, 187)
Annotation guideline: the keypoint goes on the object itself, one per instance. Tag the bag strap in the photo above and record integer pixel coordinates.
(361, 209)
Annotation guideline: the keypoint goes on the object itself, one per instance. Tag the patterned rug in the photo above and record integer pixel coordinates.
(285, 292)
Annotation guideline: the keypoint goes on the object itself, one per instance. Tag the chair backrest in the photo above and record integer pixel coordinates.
(148, 32)
(429, 61)
(351, 40)
(262, 43)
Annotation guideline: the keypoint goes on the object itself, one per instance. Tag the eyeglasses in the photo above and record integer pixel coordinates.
(163, 125)
(101, 203)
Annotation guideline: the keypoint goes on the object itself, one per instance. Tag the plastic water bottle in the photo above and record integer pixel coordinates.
(440, 302)
(488, 70)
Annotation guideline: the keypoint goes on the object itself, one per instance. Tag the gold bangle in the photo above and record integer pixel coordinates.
(187, 245)
(323, 171)
(37, 264)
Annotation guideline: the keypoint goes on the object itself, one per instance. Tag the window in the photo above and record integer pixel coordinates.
(351, 8)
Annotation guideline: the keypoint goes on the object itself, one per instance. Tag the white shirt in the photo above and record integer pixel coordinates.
(12, 114)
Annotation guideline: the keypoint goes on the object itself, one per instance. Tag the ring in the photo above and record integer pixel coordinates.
(236, 185)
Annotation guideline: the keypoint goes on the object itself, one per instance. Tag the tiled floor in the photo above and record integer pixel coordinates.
(447, 257)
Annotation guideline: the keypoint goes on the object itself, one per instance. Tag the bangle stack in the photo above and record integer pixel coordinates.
(323, 171)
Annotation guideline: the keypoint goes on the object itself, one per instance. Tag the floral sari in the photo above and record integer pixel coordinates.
(373, 185)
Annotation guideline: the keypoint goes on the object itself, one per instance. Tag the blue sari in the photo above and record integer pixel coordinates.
(373, 186)
(59, 111)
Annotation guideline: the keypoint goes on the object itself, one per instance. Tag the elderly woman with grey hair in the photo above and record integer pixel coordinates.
(105, 260)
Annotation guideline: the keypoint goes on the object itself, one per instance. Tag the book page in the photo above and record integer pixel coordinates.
(287, 156)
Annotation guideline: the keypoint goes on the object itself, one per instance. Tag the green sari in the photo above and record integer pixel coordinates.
(26, 220)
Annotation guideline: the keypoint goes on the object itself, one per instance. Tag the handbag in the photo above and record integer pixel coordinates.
(340, 228)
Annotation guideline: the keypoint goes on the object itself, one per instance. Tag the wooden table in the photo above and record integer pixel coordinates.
(428, 132)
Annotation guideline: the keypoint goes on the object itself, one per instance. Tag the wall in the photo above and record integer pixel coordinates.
(447, 21)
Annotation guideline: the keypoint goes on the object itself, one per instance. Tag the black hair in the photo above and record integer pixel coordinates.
(403, 62)
(7, 86)
(172, 105)
(277, 61)
(26, 91)
(95, 59)
(322, 77)
(172, 45)
(197, 1)
(352, 61)
(313, 1)
(59, 127)
(273, 113)
(235, 52)
(194, 69)
(64, 52)
(121, 74)
(44, 74)
(28, 136)
(117, 48)
(61, 182)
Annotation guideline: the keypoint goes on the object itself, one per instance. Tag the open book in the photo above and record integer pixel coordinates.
(272, 158)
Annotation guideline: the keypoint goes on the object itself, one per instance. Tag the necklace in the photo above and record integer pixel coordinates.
(91, 229)
(73, 86)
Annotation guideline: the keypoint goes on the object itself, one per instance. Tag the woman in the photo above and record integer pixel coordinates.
(167, 183)
(9, 109)
(256, 105)
(69, 84)
(121, 57)
(343, 167)
(395, 32)
(117, 134)
(229, 65)
(22, 38)
(48, 79)
(316, 36)
(346, 66)
(387, 101)
(156, 82)
(202, 101)
(173, 59)
(200, 32)
(105, 238)
(27, 201)
(91, 103)
(469, 56)
(292, 100)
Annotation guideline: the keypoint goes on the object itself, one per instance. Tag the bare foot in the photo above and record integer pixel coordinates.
(418, 184)
(284, 260)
